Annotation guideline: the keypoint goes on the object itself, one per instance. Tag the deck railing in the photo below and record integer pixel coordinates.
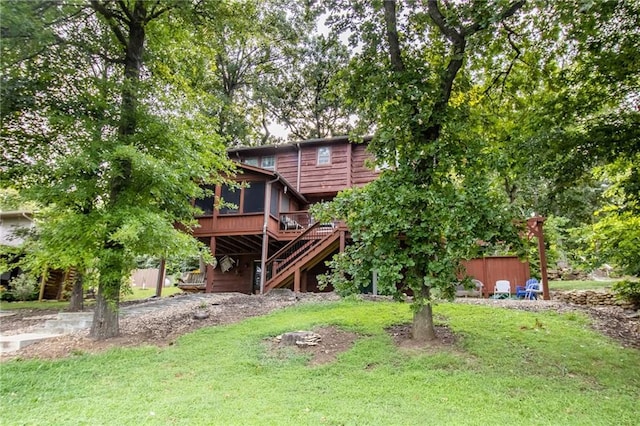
(295, 221)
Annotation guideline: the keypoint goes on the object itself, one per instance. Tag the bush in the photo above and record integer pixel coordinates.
(628, 291)
(24, 287)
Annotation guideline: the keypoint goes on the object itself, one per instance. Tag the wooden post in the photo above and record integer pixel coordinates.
(210, 268)
(43, 282)
(296, 281)
(543, 261)
(160, 281)
(534, 226)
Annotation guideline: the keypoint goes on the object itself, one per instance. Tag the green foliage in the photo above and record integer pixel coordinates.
(628, 291)
(614, 239)
(24, 287)
(112, 145)
(416, 223)
(416, 238)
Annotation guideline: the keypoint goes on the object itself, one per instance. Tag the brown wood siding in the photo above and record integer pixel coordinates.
(287, 166)
(361, 173)
(491, 269)
(324, 179)
(238, 279)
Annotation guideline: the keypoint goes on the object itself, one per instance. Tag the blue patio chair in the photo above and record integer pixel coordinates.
(530, 290)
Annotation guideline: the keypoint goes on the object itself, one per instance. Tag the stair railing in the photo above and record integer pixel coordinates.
(298, 247)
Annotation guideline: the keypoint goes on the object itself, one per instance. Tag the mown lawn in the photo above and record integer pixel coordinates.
(136, 293)
(508, 367)
(580, 285)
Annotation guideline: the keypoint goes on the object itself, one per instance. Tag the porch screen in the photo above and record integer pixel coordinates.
(230, 196)
(254, 198)
(273, 209)
(206, 203)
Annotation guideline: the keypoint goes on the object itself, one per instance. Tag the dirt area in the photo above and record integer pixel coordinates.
(161, 327)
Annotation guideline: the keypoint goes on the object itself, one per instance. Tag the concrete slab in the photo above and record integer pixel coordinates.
(19, 341)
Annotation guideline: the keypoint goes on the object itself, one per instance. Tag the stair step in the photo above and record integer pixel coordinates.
(19, 341)
(67, 325)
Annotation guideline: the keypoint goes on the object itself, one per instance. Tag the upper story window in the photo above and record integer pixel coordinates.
(268, 162)
(324, 155)
(251, 161)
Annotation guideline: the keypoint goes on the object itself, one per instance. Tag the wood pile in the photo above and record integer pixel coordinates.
(590, 298)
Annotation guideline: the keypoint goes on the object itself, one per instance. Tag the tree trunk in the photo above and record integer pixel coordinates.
(105, 317)
(422, 329)
(76, 304)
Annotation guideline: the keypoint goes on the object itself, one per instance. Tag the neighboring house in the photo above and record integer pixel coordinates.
(12, 224)
(271, 229)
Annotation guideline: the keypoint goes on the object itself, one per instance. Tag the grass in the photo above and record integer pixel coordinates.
(508, 367)
(580, 285)
(136, 294)
(140, 293)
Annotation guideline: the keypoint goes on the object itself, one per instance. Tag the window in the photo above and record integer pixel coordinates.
(253, 198)
(324, 155)
(206, 202)
(251, 161)
(268, 162)
(273, 209)
(230, 195)
(284, 203)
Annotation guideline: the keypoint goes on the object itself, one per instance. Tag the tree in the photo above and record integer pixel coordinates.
(561, 110)
(104, 130)
(245, 52)
(415, 224)
(303, 95)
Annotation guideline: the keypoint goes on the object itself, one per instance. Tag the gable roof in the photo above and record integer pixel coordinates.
(290, 146)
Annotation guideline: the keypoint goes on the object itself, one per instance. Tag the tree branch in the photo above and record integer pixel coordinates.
(110, 17)
(477, 26)
(125, 9)
(438, 18)
(154, 13)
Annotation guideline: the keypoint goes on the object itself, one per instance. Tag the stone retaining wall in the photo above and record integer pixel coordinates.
(589, 298)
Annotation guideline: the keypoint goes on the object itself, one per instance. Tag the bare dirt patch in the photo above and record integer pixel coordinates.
(333, 342)
(401, 334)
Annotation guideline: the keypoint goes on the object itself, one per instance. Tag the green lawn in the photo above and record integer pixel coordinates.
(580, 285)
(136, 294)
(508, 367)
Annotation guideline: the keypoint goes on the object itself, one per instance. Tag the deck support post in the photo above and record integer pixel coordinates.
(296, 281)
(209, 268)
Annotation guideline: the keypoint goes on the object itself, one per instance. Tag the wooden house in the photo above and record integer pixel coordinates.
(269, 240)
(270, 228)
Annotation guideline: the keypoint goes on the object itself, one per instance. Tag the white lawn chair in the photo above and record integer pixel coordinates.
(503, 287)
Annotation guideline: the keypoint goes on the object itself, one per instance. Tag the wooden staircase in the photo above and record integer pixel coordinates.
(58, 284)
(310, 248)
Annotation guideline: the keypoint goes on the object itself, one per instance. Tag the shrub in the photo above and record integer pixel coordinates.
(24, 287)
(628, 291)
